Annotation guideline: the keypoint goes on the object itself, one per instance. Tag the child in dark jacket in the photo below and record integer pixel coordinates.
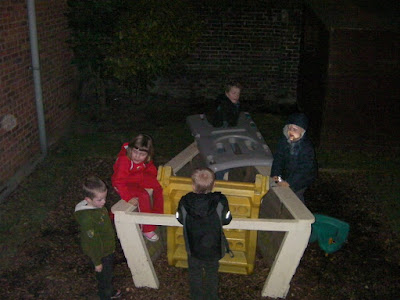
(134, 172)
(294, 160)
(97, 235)
(227, 110)
(204, 239)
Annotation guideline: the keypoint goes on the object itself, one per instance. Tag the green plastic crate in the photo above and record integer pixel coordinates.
(330, 233)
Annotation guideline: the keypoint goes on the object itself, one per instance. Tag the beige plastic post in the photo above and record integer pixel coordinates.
(286, 263)
(292, 247)
(134, 246)
(278, 281)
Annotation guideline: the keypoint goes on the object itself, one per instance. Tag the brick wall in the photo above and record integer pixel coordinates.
(255, 42)
(17, 96)
(58, 75)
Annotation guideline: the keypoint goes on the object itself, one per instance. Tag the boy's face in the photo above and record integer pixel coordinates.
(138, 156)
(295, 132)
(233, 94)
(98, 200)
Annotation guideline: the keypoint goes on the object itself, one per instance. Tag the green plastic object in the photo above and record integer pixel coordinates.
(331, 233)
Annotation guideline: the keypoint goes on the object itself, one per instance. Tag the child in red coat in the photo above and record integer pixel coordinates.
(134, 171)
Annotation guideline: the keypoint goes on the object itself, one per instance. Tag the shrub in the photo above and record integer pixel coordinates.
(129, 42)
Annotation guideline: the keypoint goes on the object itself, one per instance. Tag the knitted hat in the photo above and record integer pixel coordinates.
(298, 119)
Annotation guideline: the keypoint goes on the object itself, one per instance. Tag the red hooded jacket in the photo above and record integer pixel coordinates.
(127, 174)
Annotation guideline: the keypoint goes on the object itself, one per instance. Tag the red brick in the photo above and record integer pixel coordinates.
(16, 79)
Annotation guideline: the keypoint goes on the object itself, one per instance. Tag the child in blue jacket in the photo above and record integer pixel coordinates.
(294, 160)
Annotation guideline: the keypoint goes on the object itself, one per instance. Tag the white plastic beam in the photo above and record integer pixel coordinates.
(287, 259)
(183, 157)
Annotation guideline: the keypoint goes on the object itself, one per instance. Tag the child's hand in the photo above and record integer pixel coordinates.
(283, 183)
(98, 268)
(134, 201)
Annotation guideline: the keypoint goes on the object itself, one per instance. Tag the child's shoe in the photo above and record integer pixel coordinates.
(151, 236)
(117, 294)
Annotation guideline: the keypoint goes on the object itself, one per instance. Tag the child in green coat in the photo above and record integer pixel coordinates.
(97, 234)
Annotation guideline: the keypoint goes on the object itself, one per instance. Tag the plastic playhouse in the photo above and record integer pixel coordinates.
(244, 202)
(231, 147)
(221, 149)
(278, 219)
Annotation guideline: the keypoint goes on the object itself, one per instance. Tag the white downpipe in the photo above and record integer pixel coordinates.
(36, 75)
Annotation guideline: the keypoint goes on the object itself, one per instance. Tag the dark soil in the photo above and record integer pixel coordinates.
(50, 264)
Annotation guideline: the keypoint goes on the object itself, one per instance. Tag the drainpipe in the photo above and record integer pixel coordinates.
(8, 122)
(36, 75)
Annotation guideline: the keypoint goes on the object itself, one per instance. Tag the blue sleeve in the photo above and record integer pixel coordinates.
(306, 169)
(230, 113)
(278, 163)
(215, 117)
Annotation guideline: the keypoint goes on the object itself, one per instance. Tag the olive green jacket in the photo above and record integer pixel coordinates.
(96, 231)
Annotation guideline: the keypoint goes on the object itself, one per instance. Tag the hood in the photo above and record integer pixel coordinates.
(199, 206)
(83, 205)
(298, 119)
(122, 152)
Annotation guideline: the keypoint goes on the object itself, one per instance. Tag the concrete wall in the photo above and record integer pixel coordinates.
(19, 146)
